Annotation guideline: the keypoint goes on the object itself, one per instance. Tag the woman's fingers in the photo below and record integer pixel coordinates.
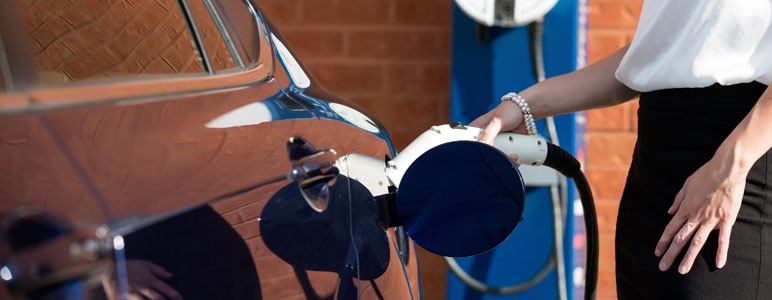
(514, 158)
(724, 231)
(166, 290)
(158, 270)
(679, 198)
(150, 294)
(485, 121)
(491, 130)
(695, 246)
(671, 229)
(695, 234)
(709, 199)
(677, 244)
(505, 117)
(482, 121)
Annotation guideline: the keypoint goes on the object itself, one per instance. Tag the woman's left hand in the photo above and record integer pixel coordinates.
(710, 199)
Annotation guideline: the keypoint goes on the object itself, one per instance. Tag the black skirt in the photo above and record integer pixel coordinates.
(679, 130)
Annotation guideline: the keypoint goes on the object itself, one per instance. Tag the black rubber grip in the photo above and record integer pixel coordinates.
(563, 162)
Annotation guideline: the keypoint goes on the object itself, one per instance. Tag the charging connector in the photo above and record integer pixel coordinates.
(531, 150)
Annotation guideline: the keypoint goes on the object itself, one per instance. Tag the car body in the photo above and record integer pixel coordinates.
(144, 146)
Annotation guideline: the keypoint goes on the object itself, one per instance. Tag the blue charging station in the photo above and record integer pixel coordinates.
(483, 71)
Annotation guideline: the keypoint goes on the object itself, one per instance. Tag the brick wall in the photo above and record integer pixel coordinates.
(610, 131)
(392, 57)
(73, 40)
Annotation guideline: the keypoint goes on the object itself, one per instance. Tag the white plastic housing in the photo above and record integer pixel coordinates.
(505, 13)
(531, 150)
(368, 170)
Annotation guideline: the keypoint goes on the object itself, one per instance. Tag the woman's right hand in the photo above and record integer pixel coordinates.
(507, 117)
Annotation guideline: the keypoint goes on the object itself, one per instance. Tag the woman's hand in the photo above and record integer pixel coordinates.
(710, 199)
(712, 196)
(145, 282)
(505, 117)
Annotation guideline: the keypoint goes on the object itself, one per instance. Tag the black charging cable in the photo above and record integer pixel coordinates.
(560, 160)
(563, 162)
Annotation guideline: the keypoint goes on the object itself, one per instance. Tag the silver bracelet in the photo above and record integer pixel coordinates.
(530, 125)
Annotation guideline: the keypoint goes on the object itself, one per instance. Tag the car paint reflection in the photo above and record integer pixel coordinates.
(162, 160)
(319, 100)
(277, 107)
(195, 250)
(316, 241)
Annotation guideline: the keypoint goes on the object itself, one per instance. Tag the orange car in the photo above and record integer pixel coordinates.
(151, 149)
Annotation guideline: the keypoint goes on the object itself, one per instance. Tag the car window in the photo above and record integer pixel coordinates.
(211, 29)
(92, 39)
(239, 18)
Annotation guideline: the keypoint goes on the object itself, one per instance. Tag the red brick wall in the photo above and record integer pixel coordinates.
(393, 57)
(610, 131)
(73, 40)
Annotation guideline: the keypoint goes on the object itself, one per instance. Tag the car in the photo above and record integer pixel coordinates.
(177, 149)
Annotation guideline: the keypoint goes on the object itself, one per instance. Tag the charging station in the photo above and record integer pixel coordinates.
(491, 56)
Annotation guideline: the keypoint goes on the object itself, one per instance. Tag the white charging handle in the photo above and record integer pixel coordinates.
(531, 150)
(368, 170)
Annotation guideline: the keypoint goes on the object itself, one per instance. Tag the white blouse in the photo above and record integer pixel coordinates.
(696, 43)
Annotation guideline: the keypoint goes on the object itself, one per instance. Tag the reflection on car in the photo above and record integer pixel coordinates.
(144, 155)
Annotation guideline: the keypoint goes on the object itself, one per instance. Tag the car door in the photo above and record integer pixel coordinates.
(164, 122)
(363, 136)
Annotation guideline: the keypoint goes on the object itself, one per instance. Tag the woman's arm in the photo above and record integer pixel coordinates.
(711, 198)
(594, 86)
(591, 87)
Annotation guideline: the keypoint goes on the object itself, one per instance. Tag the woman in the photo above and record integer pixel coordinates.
(701, 176)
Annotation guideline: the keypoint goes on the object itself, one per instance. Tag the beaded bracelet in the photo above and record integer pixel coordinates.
(530, 125)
